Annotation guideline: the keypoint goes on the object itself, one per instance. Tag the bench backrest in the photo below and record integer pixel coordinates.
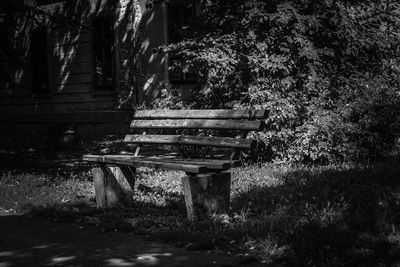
(192, 128)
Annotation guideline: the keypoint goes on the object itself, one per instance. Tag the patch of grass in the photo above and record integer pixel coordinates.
(344, 215)
(24, 191)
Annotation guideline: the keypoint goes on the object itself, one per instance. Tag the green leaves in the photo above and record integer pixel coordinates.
(327, 70)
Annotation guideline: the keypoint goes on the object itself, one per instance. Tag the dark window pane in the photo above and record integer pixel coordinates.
(174, 23)
(181, 15)
(188, 11)
(103, 53)
(97, 30)
(98, 66)
(107, 29)
(38, 50)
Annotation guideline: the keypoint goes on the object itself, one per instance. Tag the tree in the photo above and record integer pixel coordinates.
(327, 70)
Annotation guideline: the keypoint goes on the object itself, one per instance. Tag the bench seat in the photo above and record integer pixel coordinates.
(190, 165)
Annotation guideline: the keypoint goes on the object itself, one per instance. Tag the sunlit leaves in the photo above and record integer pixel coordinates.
(327, 70)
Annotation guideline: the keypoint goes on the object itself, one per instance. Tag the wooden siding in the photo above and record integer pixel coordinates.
(58, 106)
(70, 78)
(86, 117)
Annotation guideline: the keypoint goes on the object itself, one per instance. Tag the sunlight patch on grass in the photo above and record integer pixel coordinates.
(21, 192)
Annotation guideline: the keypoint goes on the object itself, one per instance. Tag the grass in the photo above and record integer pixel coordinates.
(22, 192)
(345, 215)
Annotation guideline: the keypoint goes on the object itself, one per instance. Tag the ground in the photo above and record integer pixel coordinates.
(337, 215)
(38, 241)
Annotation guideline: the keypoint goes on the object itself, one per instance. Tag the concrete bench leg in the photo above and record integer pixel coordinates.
(206, 194)
(113, 185)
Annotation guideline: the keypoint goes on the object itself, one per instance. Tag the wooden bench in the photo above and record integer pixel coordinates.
(203, 143)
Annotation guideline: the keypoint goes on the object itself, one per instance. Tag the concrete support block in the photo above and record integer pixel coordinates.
(113, 185)
(206, 194)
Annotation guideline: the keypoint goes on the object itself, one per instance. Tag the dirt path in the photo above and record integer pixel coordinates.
(40, 241)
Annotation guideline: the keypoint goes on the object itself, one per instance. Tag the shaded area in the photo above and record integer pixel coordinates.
(298, 216)
(326, 216)
(26, 241)
(347, 215)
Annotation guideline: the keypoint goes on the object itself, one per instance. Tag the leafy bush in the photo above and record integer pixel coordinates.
(328, 71)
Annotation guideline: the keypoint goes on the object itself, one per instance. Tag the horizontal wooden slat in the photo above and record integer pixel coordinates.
(70, 45)
(72, 61)
(70, 117)
(69, 39)
(58, 107)
(198, 124)
(78, 68)
(138, 161)
(64, 51)
(63, 32)
(76, 88)
(68, 78)
(191, 140)
(58, 98)
(201, 114)
(207, 164)
(215, 164)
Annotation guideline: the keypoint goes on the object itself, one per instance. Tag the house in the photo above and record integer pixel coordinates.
(86, 64)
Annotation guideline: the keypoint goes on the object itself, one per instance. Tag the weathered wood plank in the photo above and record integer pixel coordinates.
(191, 140)
(198, 124)
(71, 39)
(70, 44)
(99, 176)
(201, 114)
(64, 32)
(71, 88)
(78, 68)
(115, 196)
(65, 51)
(58, 98)
(73, 60)
(215, 164)
(71, 117)
(69, 78)
(209, 193)
(9, 90)
(137, 161)
(112, 186)
(59, 107)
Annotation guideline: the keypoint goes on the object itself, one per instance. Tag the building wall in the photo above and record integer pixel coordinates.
(70, 61)
(153, 66)
(143, 71)
(140, 73)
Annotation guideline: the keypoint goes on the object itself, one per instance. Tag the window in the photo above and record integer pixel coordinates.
(103, 54)
(181, 15)
(39, 61)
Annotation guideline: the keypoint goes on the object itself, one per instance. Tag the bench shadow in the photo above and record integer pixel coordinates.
(348, 217)
(38, 241)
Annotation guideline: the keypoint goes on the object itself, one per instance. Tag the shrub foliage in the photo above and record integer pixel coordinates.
(328, 71)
